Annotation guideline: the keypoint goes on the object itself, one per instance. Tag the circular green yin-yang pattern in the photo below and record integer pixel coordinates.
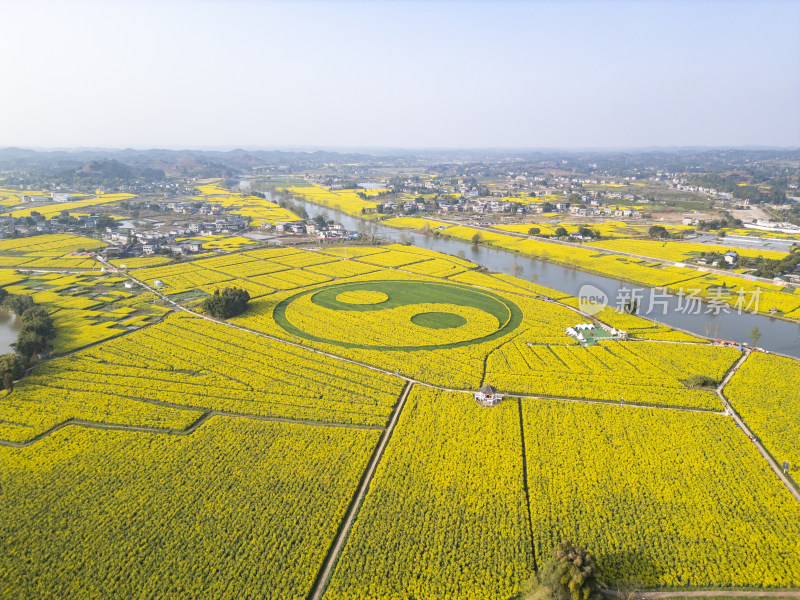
(404, 293)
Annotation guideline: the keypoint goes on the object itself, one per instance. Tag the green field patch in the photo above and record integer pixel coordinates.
(438, 320)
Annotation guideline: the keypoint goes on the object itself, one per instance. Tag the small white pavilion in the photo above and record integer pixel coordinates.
(488, 396)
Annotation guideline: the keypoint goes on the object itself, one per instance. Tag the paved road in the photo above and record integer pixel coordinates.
(767, 457)
(344, 530)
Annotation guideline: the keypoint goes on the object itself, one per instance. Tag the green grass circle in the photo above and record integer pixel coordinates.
(402, 293)
(438, 320)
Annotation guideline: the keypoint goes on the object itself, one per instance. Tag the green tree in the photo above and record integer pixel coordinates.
(30, 343)
(18, 303)
(571, 573)
(320, 221)
(229, 303)
(37, 320)
(561, 232)
(477, 237)
(658, 231)
(11, 365)
(698, 380)
(534, 231)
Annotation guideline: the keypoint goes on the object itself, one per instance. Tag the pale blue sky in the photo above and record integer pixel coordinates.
(449, 74)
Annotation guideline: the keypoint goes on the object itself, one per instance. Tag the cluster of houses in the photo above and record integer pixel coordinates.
(152, 242)
(136, 186)
(495, 205)
(328, 233)
(161, 240)
(184, 208)
(53, 197)
(23, 226)
(731, 257)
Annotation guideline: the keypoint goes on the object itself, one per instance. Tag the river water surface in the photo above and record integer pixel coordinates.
(9, 329)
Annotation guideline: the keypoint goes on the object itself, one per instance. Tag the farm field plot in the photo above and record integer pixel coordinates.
(51, 251)
(10, 197)
(138, 263)
(638, 372)
(260, 272)
(86, 307)
(163, 375)
(261, 211)
(345, 200)
(678, 251)
(665, 497)
(507, 283)
(763, 391)
(52, 209)
(741, 294)
(638, 327)
(615, 229)
(446, 514)
(238, 509)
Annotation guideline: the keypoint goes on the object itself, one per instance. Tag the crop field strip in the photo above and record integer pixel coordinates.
(722, 482)
(415, 508)
(257, 501)
(140, 379)
(379, 541)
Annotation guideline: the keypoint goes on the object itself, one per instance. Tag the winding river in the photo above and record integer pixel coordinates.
(776, 335)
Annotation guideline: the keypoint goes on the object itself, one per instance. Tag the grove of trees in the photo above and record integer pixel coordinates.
(229, 303)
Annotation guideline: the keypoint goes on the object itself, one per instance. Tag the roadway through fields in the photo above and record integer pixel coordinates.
(333, 554)
(729, 410)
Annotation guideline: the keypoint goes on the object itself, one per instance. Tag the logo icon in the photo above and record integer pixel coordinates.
(591, 299)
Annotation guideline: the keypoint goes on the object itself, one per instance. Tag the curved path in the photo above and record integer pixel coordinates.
(187, 431)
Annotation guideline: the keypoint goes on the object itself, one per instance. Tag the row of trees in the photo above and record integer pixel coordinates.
(770, 267)
(561, 232)
(35, 337)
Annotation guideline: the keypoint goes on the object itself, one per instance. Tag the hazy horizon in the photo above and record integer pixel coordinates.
(401, 75)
